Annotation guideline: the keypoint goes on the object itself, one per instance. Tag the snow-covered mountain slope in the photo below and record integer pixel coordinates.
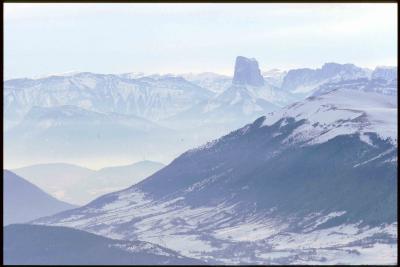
(211, 81)
(243, 99)
(380, 86)
(236, 106)
(341, 112)
(23, 201)
(274, 77)
(312, 183)
(305, 81)
(268, 93)
(133, 75)
(46, 245)
(73, 134)
(149, 97)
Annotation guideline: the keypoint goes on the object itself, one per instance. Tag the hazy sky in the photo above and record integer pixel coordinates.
(171, 38)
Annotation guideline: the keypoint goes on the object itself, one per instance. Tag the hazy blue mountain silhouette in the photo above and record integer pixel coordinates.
(24, 201)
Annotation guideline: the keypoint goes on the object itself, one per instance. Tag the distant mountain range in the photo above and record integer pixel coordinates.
(147, 97)
(23, 201)
(81, 116)
(378, 85)
(313, 182)
(303, 81)
(79, 185)
(44, 245)
(156, 97)
(212, 81)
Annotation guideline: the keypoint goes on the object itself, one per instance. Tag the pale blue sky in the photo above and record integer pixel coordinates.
(42, 39)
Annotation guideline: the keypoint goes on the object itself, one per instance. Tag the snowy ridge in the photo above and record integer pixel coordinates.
(305, 80)
(149, 97)
(212, 81)
(341, 112)
(377, 85)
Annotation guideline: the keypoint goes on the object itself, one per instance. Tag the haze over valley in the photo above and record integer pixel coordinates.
(97, 120)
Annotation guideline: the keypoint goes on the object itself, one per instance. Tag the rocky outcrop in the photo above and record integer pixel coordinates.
(385, 73)
(247, 72)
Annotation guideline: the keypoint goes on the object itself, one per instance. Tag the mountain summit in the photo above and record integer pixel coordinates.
(247, 72)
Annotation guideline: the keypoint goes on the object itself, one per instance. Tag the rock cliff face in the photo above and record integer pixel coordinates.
(385, 73)
(304, 81)
(247, 72)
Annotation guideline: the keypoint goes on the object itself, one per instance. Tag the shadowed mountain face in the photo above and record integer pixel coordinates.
(24, 201)
(322, 169)
(33, 244)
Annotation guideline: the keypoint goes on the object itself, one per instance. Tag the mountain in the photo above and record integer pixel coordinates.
(148, 97)
(45, 245)
(156, 97)
(197, 107)
(74, 134)
(304, 81)
(79, 185)
(235, 106)
(377, 85)
(211, 81)
(312, 183)
(247, 72)
(86, 117)
(111, 179)
(24, 201)
(247, 98)
(274, 77)
(386, 73)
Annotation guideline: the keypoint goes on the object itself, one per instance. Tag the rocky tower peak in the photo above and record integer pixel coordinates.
(247, 72)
